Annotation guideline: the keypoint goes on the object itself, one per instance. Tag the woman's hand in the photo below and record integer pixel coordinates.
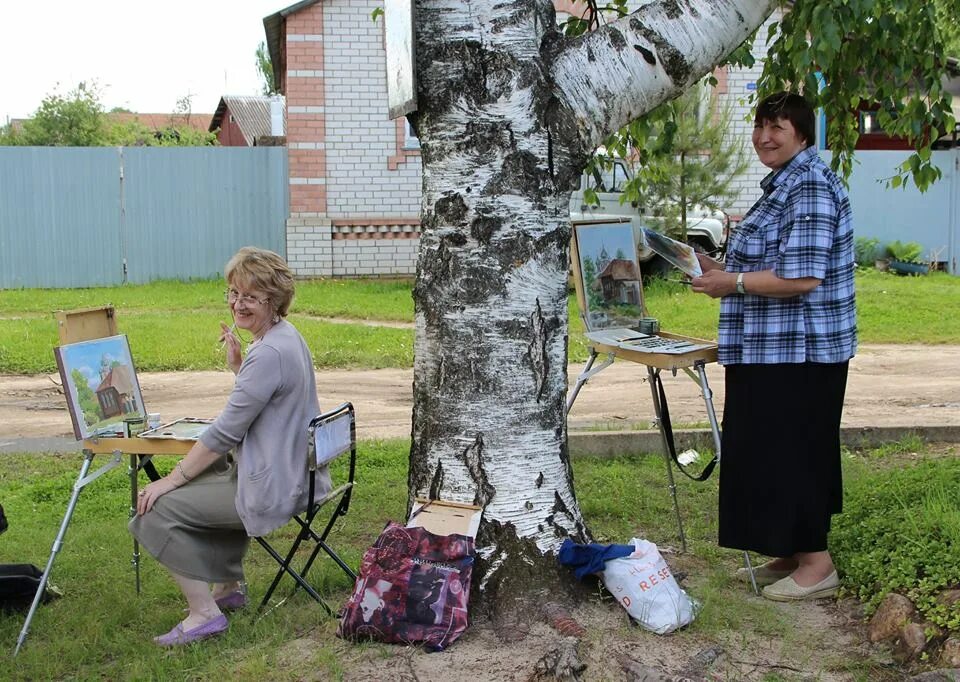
(154, 491)
(715, 283)
(232, 345)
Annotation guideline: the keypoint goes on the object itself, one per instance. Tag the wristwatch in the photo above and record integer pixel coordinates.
(740, 289)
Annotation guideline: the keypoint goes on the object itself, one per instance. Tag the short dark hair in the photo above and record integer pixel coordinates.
(790, 106)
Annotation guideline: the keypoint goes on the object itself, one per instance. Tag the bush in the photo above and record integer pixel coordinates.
(900, 532)
(866, 250)
(908, 252)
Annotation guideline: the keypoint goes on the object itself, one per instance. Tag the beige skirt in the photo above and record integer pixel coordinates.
(195, 530)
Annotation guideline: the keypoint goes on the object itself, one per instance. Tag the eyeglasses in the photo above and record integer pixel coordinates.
(231, 296)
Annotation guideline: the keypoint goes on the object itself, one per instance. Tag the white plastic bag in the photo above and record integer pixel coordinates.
(645, 587)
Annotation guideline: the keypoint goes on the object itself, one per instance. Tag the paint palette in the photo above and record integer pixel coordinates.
(187, 428)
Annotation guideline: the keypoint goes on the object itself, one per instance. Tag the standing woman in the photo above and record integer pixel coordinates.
(787, 333)
(247, 474)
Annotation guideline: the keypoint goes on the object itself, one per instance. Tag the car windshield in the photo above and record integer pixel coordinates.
(610, 179)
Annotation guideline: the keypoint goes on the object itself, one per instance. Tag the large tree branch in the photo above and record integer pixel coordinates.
(611, 76)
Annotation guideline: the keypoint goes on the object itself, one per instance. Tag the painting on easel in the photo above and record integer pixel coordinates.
(100, 385)
(609, 275)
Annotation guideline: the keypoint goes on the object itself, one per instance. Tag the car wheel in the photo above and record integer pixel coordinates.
(700, 246)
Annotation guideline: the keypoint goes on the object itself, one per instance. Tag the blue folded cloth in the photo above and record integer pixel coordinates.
(586, 559)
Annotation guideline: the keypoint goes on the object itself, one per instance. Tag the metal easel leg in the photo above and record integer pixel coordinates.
(652, 380)
(82, 481)
(700, 366)
(134, 471)
(588, 372)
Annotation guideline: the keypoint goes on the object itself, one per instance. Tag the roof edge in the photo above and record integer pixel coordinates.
(272, 26)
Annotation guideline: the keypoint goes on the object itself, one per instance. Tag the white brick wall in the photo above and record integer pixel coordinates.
(359, 140)
(309, 246)
(360, 137)
(382, 257)
(313, 251)
(739, 97)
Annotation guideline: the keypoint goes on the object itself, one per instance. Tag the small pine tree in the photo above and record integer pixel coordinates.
(688, 159)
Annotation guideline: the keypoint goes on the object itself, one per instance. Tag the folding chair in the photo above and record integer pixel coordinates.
(331, 435)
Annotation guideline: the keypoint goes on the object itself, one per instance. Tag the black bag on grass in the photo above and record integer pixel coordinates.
(19, 582)
(18, 586)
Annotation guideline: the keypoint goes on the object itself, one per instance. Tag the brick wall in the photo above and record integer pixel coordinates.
(354, 187)
(361, 139)
(738, 96)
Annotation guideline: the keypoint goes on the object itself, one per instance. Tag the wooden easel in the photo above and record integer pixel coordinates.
(73, 327)
(85, 324)
(693, 363)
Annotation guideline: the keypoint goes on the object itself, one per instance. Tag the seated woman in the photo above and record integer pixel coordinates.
(247, 474)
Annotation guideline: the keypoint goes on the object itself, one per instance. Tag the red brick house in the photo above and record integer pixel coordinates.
(248, 121)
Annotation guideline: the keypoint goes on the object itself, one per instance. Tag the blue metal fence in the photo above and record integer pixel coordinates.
(931, 218)
(81, 217)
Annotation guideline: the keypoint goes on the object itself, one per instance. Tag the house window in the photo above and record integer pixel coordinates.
(869, 124)
(410, 139)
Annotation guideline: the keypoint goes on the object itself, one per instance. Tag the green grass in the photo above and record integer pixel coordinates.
(162, 341)
(379, 299)
(901, 533)
(174, 325)
(895, 309)
(101, 628)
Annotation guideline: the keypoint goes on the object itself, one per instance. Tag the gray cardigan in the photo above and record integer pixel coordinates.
(273, 400)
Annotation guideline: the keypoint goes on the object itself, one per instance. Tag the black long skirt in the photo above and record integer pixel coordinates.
(780, 479)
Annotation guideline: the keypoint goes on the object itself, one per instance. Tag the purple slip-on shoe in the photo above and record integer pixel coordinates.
(233, 601)
(177, 636)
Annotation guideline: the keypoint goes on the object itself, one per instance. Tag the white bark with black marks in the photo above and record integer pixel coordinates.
(509, 111)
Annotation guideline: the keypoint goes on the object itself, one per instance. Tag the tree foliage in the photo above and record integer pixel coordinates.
(72, 120)
(269, 84)
(77, 119)
(840, 54)
(947, 21)
(844, 53)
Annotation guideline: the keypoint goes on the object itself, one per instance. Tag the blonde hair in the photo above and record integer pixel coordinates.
(264, 270)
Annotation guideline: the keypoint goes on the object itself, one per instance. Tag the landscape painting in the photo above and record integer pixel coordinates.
(100, 385)
(609, 275)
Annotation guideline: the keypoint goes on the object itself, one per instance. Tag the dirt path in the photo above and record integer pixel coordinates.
(889, 386)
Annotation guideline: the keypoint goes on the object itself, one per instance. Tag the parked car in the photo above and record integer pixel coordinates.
(706, 228)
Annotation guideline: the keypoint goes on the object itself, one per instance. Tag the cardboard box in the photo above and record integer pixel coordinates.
(445, 518)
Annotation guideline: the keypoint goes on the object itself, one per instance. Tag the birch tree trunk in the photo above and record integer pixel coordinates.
(509, 111)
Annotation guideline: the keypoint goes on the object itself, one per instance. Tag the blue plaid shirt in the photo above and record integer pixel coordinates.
(801, 227)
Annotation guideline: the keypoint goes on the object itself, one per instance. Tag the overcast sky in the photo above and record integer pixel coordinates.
(144, 55)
